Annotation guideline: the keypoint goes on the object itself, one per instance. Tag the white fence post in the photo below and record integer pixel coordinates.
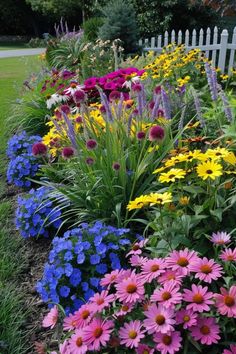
(232, 52)
(223, 49)
(215, 40)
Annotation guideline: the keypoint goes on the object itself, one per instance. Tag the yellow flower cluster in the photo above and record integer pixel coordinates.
(150, 200)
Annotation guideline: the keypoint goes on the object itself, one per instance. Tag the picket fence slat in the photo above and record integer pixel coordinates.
(214, 45)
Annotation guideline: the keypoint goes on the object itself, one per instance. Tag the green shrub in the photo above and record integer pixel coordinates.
(91, 28)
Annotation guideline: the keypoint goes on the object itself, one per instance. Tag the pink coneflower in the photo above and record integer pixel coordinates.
(186, 317)
(97, 333)
(141, 135)
(51, 318)
(206, 331)
(81, 317)
(168, 296)
(226, 302)
(231, 351)
(91, 144)
(136, 260)
(181, 260)
(152, 269)
(220, 238)
(168, 343)
(65, 108)
(228, 255)
(156, 133)
(144, 349)
(76, 344)
(109, 278)
(39, 149)
(79, 96)
(159, 319)
(137, 247)
(206, 269)
(131, 289)
(199, 298)
(125, 308)
(171, 276)
(114, 95)
(101, 300)
(131, 334)
(67, 152)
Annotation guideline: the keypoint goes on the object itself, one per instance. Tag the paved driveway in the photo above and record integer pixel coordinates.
(21, 52)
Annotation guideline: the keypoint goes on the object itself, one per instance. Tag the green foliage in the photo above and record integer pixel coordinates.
(91, 28)
(120, 23)
(37, 43)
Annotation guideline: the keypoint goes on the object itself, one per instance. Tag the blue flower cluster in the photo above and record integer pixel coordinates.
(35, 214)
(20, 169)
(21, 144)
(77, 262)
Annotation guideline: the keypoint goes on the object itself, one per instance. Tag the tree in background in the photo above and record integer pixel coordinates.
(120, 23)
(225, 7)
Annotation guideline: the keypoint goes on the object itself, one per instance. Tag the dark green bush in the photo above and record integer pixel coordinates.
(91, 28)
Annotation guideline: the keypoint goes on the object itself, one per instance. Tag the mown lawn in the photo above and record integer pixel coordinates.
(10, 45)
(13, 72)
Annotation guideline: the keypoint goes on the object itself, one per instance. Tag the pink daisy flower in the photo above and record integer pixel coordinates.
(152, 269)
(99, 301)
(186, 317)
(171, 275)
(231, 351)
(80, 318)
(169, 295)
(51, 318)
(206, 331)
(220, 238)
(125, 308)
(199, 298)
(64, 349)
(144, 349)
(97, 333)
(109, 278)
(168, 343)
(131, 289)
(136, 260)
(206, 269)
(137, 247)
(131, 334)
(181, 260)
(70, 322)
(226, 302)
(159, 319)
(124, 274)
(76, 344)
(228, 255)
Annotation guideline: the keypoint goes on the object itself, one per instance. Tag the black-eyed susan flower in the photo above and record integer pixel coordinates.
(172, 175)
(150, 199)
(209, 169)
(184, 200)
(230, 158)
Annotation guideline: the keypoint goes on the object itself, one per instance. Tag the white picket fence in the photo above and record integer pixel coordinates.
(218, 47)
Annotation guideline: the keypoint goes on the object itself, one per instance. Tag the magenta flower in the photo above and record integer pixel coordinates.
(131, 334)
(91, 144)
(144, 349)
(171, 276)
(228, 255)
(181, 260)
(99, 301)
(39, 149)
(168, 343)
(114, 95)
(157, 90)
(67, 152)
(220, 238)
(141, 135)
(109, 278)
(110, 86)
(97, 333)
(231, 351)
(51, 318)
(160, 113)
(137, 87)
(159, 319)
(65, 108)
(199, 298)
(79, 96)
(156, 133)
(152, 269)
(76, 343)
(168, 296)
(206, 331)
(79, 119)
(90, 82)
(206, 269)
(226, 302)
(89, 161)
(131, 289)
(116, 166)
(186, 317)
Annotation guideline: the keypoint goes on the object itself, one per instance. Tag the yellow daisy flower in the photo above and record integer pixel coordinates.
(209, 169)
(172, 175)
(217, 153)
(161, 198)
(230, 158)
(140, 202)
(184, 200)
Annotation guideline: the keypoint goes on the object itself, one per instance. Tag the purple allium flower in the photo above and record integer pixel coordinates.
(157, 90)
(114, 95)
(91, 144)
(39, 149)
(67, 152)
(140, 135)
(79, 96)
(160, 113)
(102, 109)
(151, 104)
(65, 109)
(156, 133)
(79, 119)
(89, 161)
(116, 166)
(137, 88)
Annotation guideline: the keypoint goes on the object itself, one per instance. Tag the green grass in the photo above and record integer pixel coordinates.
(13, 313)
(10, 45)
